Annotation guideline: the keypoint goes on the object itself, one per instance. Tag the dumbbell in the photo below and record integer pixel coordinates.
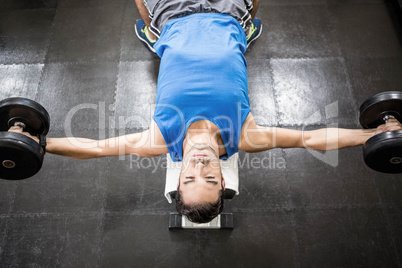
(383, 152)
(21, 157)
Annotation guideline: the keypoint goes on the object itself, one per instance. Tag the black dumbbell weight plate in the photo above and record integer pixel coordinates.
(26, 111)
(373, 110)
(20, 156)
(383, 152)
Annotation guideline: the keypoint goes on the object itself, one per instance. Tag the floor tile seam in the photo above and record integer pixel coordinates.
(139, 212)
(107, 7)
(22, 64)
(48, 45)
(291, 5)
(14, 215)
(293, 208)
(101, 231)
(98, 5)
(349, 86)
(345, 70)
(333, 30)
(141, 60)
(335, 21)
(342, 56)
(78, 62)
(274, 92)
(285, 209)
(278, 115)
(303, 58)
(345, 206)
(288, 181)
(13, 200)
(372, 57)
(101, 212)
(118, 76)
(298, 251)
(27, 9)
(365, 3)
(307, 125)
(297, 255)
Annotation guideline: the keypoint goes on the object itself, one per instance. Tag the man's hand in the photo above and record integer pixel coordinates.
(17, 129)
(392, 124)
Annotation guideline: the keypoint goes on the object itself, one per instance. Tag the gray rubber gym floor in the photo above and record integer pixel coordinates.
(313, 66)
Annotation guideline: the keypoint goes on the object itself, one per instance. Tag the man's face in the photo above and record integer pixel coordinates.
(201, 177)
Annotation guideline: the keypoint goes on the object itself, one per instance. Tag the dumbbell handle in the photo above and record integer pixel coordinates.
(42, 138)
(20, 124)
(387, 117)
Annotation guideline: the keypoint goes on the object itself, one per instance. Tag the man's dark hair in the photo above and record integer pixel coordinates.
(199, 213)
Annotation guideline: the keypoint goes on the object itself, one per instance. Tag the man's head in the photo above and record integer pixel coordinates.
(200, 190)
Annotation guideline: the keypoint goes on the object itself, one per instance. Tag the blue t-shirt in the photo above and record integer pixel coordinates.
(202, 76)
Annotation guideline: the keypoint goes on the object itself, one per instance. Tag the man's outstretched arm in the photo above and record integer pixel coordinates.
(148, 143)
(255, 138)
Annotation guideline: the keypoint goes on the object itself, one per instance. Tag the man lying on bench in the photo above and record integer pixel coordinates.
(202, 109)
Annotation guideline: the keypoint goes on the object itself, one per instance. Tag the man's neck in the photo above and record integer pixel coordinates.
(204, 132)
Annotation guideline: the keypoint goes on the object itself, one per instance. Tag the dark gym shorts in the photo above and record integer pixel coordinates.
(161, 11)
